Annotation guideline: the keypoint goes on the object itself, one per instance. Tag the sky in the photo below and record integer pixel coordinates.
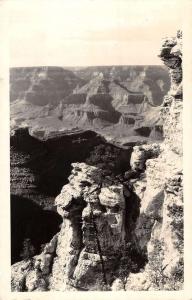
(90, 32)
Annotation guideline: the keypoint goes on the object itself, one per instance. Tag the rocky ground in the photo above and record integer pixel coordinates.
(122, 227)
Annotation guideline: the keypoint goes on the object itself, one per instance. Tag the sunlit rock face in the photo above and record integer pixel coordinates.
(159, 227)
(152, 81)
(94, 219)
(93, 241)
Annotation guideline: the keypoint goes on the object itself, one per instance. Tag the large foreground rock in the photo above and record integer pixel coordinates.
(93, 241)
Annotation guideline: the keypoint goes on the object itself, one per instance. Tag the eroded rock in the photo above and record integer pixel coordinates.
(93, 237)
(127, 233)
(159, 229)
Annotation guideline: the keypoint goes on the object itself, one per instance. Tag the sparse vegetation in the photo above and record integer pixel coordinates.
(158, 278)
(28, 249)
(176, 213)
(111, 160)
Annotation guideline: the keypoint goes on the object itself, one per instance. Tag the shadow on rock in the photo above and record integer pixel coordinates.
(30, 221)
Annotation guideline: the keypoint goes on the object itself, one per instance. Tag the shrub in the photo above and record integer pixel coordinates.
(28, 249)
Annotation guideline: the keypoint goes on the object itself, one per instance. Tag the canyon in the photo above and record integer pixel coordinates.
(119, 103)
(114, 205)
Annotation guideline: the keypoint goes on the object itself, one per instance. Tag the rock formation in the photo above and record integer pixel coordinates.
(93, 239)
(120, 231)
(111, 109)
(42, 85)
(39, 169)
(152, 81)
(117, 103)
(159, 228)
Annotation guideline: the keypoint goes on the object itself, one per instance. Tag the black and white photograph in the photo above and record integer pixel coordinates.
(96, 147)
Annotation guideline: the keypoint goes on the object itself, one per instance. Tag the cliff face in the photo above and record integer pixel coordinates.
(38, 171)
(120, 230)
(112, 109)
(92, 248)
(152, 81)
(118, 102)
(39, 168)
(159, 228)
(42, 85)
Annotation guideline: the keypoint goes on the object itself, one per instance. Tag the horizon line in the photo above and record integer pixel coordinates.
(86, 66)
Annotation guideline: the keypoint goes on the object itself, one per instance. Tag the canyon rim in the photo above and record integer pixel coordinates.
(95, 149)
(96, 176)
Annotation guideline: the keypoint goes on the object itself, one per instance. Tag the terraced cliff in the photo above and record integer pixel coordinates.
(42, 85)
(52, 99)
(122, 223)
(152, 81)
